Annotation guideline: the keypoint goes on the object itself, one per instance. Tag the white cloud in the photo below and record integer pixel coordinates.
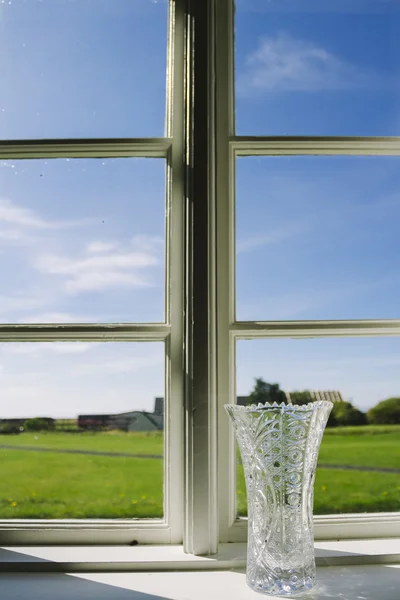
(12, 213)
(19, 302)
(285, 63)
(58, 317)
(36, 348)
(14, 235)
(21, 227)
(100, 280)
(293, 305)
(105, 262)
(147, 242)
(99, 247)
(121, 365)
(104, 265)
(275, 236)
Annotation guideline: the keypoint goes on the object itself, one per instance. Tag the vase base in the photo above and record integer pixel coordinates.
(282, 588)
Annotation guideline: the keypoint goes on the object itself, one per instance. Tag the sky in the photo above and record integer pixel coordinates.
(83, 240)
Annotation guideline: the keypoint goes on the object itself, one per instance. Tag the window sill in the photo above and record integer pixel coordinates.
(75, 559)
(336, 583)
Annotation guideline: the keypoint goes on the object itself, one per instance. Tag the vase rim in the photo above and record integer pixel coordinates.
(282, 406)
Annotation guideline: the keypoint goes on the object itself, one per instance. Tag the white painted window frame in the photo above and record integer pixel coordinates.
(229, 330)
(200, 332)
(168, 530)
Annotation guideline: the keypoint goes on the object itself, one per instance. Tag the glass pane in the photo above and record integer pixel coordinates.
(82, 240)
(317, 68)
(317, 237)
(359, 461)
(81, 430)
(82, 68)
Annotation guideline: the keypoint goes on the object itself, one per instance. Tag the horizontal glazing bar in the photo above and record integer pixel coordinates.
(267, 146)
(84, 332)
(304, 329)
(85, 148)
(79, 524)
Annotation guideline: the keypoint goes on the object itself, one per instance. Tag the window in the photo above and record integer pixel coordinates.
(306, 248)
(181, 200)
(102, 464)
(312, 69)
(92, 247)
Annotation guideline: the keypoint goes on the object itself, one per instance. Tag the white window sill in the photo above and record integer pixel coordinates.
(62, 559)
(336, 583)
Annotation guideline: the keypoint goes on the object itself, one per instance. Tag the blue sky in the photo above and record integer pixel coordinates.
(318, 68)
(84, 240)
(82, 68)
(364, 370)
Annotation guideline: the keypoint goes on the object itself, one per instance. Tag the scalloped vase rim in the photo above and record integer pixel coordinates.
(282, 405)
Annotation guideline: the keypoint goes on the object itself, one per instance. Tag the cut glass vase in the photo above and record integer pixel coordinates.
(279, 446)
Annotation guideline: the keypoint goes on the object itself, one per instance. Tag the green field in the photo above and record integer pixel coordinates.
(346, 491)
(46, 485)
(110, 441)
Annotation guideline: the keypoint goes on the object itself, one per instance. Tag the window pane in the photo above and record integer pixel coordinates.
(317, 237)
(81, 432)
(358, 468)
(82, 68)
(317, 68)
(82, 240)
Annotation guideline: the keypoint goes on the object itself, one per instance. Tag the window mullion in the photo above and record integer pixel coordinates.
(201, 535)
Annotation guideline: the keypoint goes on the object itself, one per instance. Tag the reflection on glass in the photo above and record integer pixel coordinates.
(74, 68)
(360, 452)
(82, 240)
(317, 237)
(81, 430)
(317, 68)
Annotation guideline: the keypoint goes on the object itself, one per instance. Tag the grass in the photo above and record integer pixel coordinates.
(341, 491)
(374, 450)
(112, 441)
(46, 485)
(363, 430)
(355, 491)
(62, 486)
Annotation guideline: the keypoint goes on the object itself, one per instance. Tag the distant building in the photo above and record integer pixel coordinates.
(159, 406)
(20, 422)
(138, 421)
(242, 400)
(94, 422)
(15, 422)
(326, 395)
(135, 420)
(315, 395)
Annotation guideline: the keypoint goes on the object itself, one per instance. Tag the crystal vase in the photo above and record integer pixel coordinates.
(279, 446)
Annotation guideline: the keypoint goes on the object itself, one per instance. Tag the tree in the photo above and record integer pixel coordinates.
(37, 424)
(9, 429)
(344, 413)
(386, 412)
(266, 392)
(301, 397)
